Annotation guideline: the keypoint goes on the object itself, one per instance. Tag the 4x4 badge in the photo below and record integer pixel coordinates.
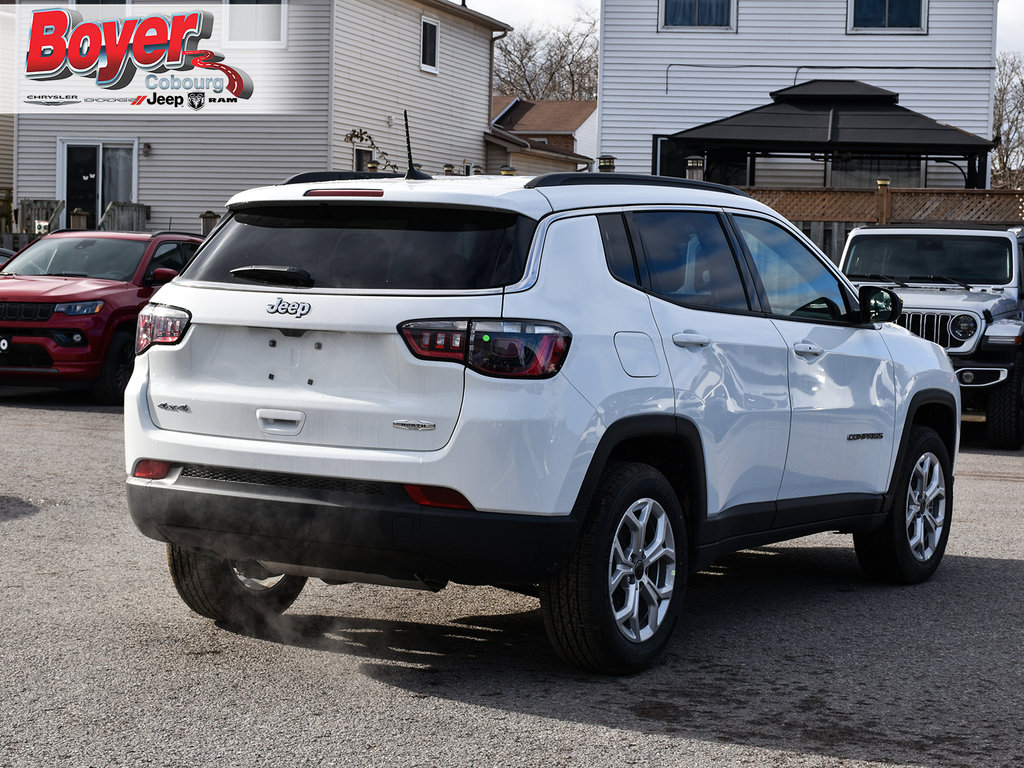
(182, 408)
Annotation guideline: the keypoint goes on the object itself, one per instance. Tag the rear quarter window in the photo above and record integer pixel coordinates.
(373, 247)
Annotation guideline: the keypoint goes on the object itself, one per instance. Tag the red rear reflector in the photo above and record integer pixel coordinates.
(435, 496)
(147, 469)
(344, 193)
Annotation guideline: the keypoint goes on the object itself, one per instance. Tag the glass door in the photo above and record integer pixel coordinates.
(82, 183)
(96, 174)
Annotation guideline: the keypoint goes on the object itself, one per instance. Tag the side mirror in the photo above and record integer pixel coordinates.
(879, 305)
(161, 275)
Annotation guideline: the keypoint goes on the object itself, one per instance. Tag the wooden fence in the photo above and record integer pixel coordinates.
(6, 211)
(37, 217)
(124, 217)
(828, 215)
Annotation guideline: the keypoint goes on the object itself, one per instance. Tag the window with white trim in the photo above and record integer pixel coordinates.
(92, 173)
(363, 158)
(880, 15)
(430, 36)
(718, 14)
(255, 23)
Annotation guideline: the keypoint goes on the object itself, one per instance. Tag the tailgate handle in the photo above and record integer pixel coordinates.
(275, 422)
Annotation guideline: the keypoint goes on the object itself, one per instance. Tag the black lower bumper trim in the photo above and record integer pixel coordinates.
(380, 534)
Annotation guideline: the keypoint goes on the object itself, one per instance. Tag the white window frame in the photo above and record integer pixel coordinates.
(730, 27)
(63, 142)
(436, 24)
(356, 149)
(852, 30)
(282, 42)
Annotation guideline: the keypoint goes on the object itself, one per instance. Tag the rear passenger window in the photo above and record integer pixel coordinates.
(617, 248)
(690, 259)
(796, 282)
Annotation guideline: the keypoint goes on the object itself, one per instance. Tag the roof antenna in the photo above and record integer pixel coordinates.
(412, 173)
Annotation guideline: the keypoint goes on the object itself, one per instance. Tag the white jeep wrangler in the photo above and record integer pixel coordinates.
(962, 288)
(581, 385)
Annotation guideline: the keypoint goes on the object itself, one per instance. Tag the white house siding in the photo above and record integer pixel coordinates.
(7, 68)
(586, 137)
(449, 111)
(199, 159)
(6, 151)
(658, 82)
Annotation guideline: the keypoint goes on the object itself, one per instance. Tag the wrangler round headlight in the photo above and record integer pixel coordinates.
(963, 327)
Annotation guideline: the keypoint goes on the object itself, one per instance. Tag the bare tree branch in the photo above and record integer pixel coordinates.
(1008, 122)
(558, 63)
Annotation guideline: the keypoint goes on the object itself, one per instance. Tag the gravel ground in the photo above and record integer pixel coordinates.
(788, 656)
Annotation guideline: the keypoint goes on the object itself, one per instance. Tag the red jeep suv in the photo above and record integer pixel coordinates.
(69, 303)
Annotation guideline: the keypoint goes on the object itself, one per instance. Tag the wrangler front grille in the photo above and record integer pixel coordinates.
(933, 326)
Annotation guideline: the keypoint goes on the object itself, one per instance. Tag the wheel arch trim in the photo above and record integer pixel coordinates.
(628, 439)
(936, 409)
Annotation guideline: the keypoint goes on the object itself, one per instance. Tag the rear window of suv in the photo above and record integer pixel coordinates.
(373, 247)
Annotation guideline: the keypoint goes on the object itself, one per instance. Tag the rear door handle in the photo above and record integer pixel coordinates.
(690, 339)
(806, 349)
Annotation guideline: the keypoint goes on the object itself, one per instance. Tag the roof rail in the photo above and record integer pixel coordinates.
(977, 226)
(175, 232)
(311, 177)
(579, 179)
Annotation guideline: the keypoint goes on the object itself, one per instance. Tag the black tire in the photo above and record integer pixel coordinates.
(1005, 413)
(579, 601)
(117, 369)
(241, 594)
(909, 545)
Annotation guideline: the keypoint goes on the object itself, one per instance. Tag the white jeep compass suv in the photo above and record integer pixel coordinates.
(581, 385)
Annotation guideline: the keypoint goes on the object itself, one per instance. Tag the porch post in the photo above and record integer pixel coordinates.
(883, 204)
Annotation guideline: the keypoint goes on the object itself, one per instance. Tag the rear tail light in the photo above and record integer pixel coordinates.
(160, 324)
(523, 349)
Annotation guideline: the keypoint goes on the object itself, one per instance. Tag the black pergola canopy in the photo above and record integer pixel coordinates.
(832, 118)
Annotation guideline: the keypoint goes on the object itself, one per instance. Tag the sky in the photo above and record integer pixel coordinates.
(540, 13)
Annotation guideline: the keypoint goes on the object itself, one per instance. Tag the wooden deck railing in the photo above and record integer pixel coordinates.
(827, 215)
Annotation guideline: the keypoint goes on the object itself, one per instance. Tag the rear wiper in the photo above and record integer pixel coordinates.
(944, 278)
(275, 275)
(887, 278)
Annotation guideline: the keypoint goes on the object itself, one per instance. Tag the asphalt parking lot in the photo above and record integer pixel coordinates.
(788, 656)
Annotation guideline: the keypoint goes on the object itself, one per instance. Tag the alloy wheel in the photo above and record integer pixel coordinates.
(926, 507)
(642, 570)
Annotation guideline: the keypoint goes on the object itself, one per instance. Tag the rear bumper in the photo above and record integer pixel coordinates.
(367, 528)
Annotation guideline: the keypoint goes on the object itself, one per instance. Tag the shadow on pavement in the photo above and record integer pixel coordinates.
(786, 648)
